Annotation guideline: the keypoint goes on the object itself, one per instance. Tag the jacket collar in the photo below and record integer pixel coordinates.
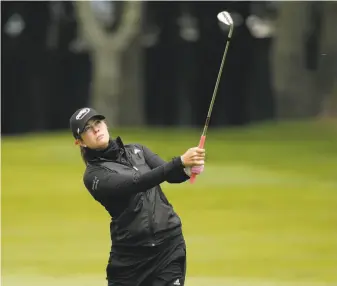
(120, 143)
(113, 152)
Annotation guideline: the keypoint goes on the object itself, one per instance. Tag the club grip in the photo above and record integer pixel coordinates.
(201, 145)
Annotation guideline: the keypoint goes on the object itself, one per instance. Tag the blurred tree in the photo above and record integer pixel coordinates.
(328, 61)
(295, 84)
(112, 30)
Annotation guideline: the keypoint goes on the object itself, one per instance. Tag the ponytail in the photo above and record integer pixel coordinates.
(83, 153)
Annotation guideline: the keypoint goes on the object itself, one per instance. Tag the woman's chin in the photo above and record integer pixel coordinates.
(102, 143)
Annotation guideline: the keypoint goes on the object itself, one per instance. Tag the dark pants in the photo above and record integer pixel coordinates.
(163, 265)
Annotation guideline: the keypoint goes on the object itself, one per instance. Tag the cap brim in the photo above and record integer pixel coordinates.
(98, 116)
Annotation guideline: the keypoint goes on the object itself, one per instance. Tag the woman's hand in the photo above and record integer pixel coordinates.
(193, 157)
(197, 170)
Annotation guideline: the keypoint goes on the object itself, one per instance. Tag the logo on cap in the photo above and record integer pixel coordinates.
(83, 112)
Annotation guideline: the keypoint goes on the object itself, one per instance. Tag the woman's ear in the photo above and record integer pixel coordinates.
(80, 142)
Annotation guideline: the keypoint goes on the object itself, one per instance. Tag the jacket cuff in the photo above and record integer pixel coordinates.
(187, 171)
(181, 161)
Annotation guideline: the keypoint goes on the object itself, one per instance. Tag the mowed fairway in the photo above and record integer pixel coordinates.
(264, 212)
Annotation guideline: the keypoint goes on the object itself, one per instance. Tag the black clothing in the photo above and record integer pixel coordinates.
(125, 180)
(163, 265)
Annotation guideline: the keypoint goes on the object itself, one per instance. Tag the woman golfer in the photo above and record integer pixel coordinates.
(148, 247)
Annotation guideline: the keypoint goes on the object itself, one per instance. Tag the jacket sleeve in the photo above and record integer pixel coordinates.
(104, 183)
(154, 161)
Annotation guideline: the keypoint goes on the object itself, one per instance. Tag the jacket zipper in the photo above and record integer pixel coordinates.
(149, 211)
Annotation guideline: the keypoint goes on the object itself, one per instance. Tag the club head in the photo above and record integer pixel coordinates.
(225, 18)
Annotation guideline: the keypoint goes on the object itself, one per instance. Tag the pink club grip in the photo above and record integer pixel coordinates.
(201, 145)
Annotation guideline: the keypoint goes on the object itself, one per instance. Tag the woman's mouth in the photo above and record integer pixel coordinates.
(100, 137)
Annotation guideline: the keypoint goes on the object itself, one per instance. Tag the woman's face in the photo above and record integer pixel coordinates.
(95, 134)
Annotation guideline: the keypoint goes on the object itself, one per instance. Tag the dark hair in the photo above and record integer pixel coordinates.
(83, 155)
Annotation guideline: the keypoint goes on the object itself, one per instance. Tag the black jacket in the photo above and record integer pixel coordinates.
(125, 180)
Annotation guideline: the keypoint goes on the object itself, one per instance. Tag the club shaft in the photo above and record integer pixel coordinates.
(216, 86)
(208, 118)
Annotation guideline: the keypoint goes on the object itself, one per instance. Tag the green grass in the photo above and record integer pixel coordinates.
(265, 207)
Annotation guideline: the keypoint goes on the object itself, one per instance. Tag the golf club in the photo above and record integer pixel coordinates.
(225, 18)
